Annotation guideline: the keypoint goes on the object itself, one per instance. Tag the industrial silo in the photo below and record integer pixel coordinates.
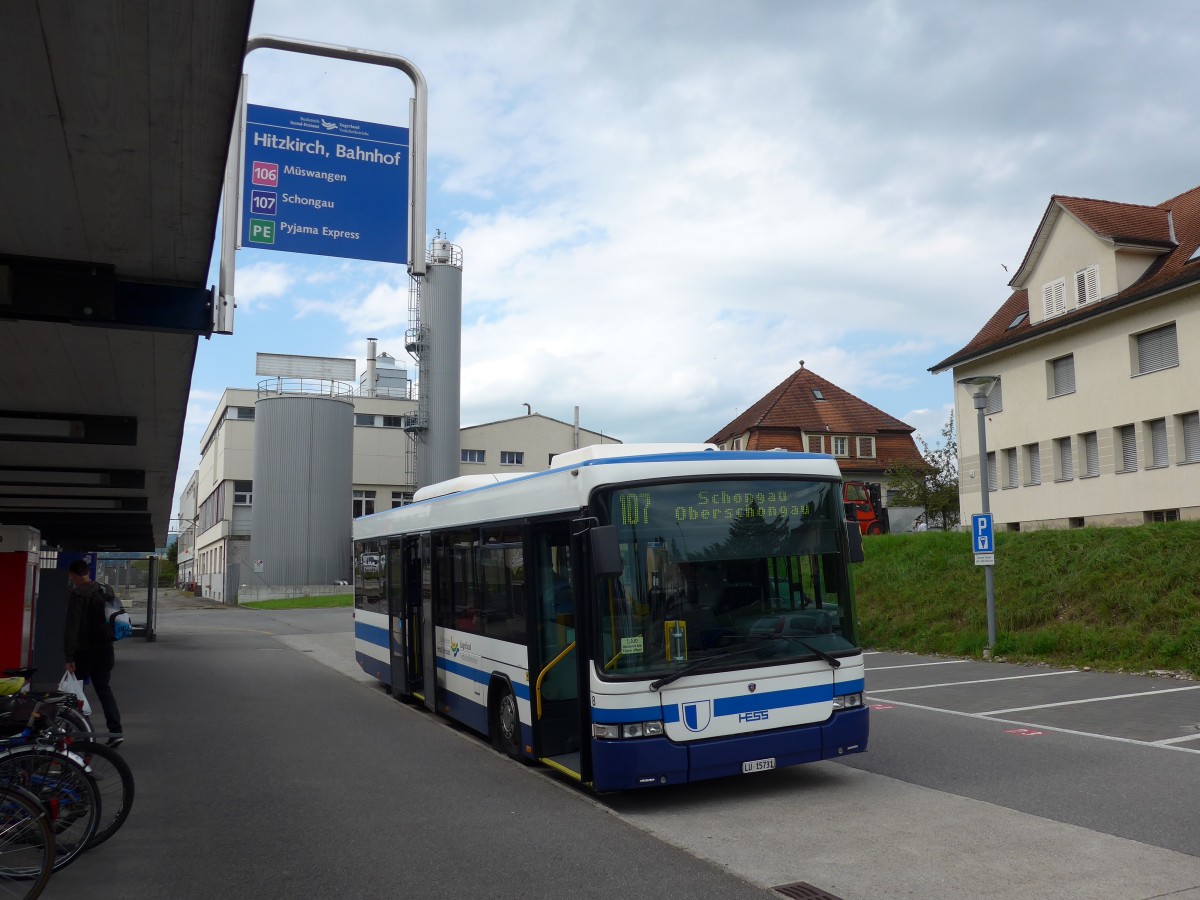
(303, 455)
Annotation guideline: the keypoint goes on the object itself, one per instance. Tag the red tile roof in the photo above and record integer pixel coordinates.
(791, 408)
(1123, 223)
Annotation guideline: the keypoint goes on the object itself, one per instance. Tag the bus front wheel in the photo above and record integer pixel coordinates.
(507, 728)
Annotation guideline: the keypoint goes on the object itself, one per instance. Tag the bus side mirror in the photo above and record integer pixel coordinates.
(606, 551)
(854, 539)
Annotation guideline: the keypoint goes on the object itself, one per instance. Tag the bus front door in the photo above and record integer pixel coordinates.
(404, 603)
(555, 699)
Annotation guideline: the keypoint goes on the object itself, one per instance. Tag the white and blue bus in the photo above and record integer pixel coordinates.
(635, 616)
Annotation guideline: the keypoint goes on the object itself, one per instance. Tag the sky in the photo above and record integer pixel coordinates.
(664, 207)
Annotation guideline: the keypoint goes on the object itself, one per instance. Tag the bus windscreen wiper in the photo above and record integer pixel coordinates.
(702, 663)
(833, 661)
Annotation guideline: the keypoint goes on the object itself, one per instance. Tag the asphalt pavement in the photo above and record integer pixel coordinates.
(269, 765)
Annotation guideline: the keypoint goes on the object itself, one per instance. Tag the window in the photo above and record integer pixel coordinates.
(816, 443)
(472, 456)
(1156, 349)
(1190, 426)
(866, 447)
(245, 412)
(1161, 515)
(1010, 465)
(737, 443)
(1066, 462)
(1087, 285)
(1062, 375)
(512, 458)
(393, 421)
(364, 503)
(995, 399)
(992, 477)
(1054, 297)
(1157, 430)
(841, 446)
(1091, 455)
(1033, 463)
(817, 395)
(401, 498)
(1127, 440)
(364, 419)
(243, 493)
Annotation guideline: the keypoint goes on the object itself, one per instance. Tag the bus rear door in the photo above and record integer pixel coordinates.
(404, 613)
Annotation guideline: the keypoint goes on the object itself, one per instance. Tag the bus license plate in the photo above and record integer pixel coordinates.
(758, 765)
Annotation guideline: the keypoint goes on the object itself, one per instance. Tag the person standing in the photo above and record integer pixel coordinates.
(88, 643)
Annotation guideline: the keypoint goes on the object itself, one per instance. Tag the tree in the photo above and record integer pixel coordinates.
(934, 486)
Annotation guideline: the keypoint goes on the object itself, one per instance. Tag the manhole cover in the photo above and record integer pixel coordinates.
(802, 890)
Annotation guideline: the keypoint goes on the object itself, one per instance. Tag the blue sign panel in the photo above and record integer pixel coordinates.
(324, 185)
(981, 533)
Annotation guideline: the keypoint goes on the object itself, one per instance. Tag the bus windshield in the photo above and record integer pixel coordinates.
(739, 572)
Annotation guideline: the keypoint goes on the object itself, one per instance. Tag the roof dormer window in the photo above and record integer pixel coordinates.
(1054, 297)
(1087, 285)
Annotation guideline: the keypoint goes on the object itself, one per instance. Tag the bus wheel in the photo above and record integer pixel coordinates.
(507, 728)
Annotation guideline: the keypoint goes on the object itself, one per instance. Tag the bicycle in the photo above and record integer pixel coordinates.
(112, 776)
(60, 781)
(26, 845)
(17, 704)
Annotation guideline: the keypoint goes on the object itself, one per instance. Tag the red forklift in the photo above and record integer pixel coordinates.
(865, 499)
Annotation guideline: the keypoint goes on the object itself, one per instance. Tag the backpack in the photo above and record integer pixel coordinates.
(119, 625)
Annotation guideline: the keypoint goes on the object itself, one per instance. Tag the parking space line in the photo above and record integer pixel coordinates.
(999, 712)
(948, 662)
(1161, 745)
(921, 687)
(1179, 740)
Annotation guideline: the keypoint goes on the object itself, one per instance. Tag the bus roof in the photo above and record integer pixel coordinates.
(568, 486)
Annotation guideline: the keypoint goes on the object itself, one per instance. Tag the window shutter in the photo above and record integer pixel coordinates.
(1066, 461)
(1157, 349)
(995, 400)
(1054, 297)
(1128, 449)
(1158, 442)
(1035, 464)
(1010, 460)
(1087, 285)
(991, 464)
(1191, 437)
(1064, 375)
(1091, 453)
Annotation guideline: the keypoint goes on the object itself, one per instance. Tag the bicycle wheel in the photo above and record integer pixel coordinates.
(114, 783)
(26, 845)
(61, 782)
(72, 720)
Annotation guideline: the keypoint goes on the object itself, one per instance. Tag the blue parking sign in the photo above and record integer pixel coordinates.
(981, 533)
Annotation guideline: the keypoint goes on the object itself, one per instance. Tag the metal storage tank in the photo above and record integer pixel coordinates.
(303, 482)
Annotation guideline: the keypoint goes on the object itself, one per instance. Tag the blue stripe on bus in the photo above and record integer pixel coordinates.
(849, 687)
(730, 706)
(372, 634)
(473, 674)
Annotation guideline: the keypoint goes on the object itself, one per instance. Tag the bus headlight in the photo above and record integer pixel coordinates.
(848, 701)
(628, 730)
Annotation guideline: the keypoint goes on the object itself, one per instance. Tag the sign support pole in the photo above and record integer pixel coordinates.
(419, 127)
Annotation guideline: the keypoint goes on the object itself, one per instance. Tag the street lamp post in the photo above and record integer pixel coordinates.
(980, 386)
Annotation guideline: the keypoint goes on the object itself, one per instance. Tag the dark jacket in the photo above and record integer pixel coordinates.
(87, 627)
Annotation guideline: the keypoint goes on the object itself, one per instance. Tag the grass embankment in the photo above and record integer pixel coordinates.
(333, 600)
(1110, 598)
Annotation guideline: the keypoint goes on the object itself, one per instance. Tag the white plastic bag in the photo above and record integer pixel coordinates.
(71, 684)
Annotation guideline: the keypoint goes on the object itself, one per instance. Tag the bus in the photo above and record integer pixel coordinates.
(634, 616)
